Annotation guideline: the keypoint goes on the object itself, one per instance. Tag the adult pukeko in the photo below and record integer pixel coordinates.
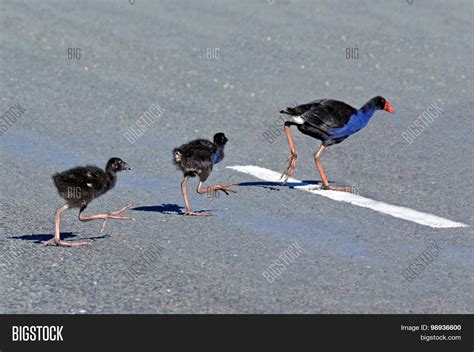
(79, 186)
(331, 122)
(197, 158)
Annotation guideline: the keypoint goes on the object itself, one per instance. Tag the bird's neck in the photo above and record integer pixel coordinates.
(367, 111)
(110, 179)
(218, 155)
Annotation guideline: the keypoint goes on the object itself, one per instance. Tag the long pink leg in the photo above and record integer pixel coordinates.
(292, 157)
(184, 191)
(326, 185)
(112, 215)
(201, 190)
(57, 234)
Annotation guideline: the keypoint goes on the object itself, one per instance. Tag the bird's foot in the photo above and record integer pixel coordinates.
(117, 215)
(192, 213)
(224, 188)
(290, 168)
(332, 188)
(61, 243)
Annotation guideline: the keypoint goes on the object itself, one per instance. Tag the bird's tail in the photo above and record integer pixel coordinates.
(294, 110)
(178, 156)
(58, 179)
(288, 111)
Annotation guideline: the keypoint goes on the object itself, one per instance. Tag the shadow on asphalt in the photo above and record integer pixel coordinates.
(40, 238)
(170, 209)
(273, 185)
(163, 208)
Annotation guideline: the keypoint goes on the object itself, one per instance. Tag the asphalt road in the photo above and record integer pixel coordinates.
(231, 66)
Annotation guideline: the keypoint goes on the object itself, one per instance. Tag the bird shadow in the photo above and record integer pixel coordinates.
(163, 208)
(42, 237)
(273, 185)
(313, 182)
(170, 209)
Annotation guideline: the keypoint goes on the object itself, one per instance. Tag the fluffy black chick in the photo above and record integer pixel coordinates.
(82, 184)
(197, 158)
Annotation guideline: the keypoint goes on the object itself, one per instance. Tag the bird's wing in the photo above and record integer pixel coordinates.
(89, 177)
(94, 178)
(326, 114)
(202, 150)
(208, 145)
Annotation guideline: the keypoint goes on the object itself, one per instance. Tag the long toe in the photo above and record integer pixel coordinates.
(49, 242)
(340, 189)
(316, 188)
(71, 244)
(120, 217)
(192, 213)
(226, 189)
(120, 211)
(114, 215)
(286, 175)
(288, 172)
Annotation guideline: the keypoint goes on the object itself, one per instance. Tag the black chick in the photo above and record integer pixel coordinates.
(79, 186)
(197, 158)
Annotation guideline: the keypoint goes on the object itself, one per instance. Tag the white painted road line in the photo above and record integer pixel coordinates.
(393, 210)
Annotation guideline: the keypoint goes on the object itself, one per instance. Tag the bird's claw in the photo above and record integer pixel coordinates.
(224, 188)
(61, 243)
(332, 188)
(192, 213)
(117, 215)
(290, 168)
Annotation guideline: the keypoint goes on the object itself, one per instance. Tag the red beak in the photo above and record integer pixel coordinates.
(388, 107)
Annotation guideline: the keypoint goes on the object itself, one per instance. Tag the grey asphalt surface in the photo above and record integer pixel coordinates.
(271, 55)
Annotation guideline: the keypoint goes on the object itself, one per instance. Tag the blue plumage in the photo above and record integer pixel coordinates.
(356, 122)
(217, 157)
(331, 122)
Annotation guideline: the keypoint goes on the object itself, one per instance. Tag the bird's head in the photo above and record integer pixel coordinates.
(380, 103)
(220, 139)
(117, 164)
